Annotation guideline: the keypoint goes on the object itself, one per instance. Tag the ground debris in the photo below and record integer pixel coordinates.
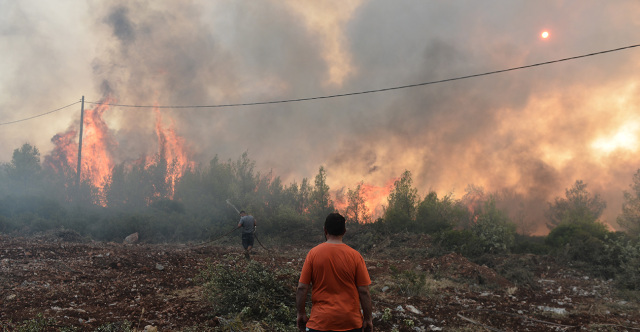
(87, 284)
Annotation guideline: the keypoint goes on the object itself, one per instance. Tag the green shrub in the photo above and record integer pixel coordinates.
(463, 242)
(37, 324)
(409, 283)
(530, 245)
(572, 233)
(517, 269)
(235, 286)
(626, 255)
(581, 241)
(125, 326)
(493, 229)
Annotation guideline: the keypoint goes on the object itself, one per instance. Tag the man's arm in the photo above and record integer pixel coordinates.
(301, 303)
(367, 308)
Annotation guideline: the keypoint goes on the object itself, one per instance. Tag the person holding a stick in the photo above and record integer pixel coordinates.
(248, 225)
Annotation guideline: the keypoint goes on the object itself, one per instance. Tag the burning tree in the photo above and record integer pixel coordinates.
(357, 210)
(103, 181)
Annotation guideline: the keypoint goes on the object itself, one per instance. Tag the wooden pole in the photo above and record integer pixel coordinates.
(80, 145)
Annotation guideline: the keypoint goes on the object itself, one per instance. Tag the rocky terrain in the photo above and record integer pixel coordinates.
(87, 284)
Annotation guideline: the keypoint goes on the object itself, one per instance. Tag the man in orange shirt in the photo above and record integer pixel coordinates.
(340, 282)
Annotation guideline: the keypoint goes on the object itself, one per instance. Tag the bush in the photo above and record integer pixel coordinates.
(37, 324)
(517, 269)
(583, 241)
(625, 254)
(530, 245)
(409, 283)
(572, 233)
(235, 286)
(363, 238)
(493, 229)
(463, 242)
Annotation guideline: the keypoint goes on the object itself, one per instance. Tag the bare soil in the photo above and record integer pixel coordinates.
(87, 284)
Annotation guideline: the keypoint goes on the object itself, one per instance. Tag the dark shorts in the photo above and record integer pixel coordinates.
(354, 330)
(247, 240)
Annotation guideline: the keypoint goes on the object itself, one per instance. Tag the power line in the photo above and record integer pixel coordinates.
(378, 90)
(343, 94)
(39, 115)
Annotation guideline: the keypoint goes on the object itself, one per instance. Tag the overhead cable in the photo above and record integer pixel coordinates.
(336, 95)
(39, 115)
(376, 90)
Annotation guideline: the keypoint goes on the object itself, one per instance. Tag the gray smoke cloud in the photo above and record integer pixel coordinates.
(528, 134)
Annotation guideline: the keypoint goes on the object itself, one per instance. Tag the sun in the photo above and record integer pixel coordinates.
(545, 34)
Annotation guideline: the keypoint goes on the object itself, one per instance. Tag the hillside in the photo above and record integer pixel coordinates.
(73, 282)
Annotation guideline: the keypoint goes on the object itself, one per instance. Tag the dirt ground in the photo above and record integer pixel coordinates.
(87, 284)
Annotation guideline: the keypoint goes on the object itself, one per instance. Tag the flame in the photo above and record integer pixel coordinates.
(172, 150)
(97, 144)
(99, 147)
(64, 153)
(374, 197)
(97, 160)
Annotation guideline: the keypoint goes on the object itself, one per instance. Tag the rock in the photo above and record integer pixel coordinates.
(559, 311)
(385, 288)
(413, 309)
(150, 328)
(131, 239)
(159, 267)
(10, 297)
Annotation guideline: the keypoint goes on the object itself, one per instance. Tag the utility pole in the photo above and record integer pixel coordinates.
(80, 146)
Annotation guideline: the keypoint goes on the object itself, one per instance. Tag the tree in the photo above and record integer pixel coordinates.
(579, 206)
(245, 179)
(437, 215)
(357, 211)
(24, 169)
(630, 217)
(321, 204)
(299, 197)
(402, 202)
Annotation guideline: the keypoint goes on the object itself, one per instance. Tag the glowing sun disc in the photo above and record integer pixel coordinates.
(545, 34)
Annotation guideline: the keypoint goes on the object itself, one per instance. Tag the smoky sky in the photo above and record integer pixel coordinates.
(529, 133)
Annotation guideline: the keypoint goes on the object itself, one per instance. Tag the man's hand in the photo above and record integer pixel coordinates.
(365, 302)
(301, 299)
(301, 322)
(367, 325)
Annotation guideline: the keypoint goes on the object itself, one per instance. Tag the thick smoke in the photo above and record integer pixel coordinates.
(526, 134)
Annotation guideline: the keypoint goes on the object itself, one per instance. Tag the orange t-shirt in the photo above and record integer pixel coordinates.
(334, 272)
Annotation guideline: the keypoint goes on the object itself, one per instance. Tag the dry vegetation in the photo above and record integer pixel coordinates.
(62, 282)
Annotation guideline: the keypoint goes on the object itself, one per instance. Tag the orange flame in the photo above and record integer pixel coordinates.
(171, 149)
(97, 144)
(374, 197)
(97, 161)
(98, 148)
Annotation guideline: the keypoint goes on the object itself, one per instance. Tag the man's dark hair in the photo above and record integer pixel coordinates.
(241, 212)
(334, 224)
